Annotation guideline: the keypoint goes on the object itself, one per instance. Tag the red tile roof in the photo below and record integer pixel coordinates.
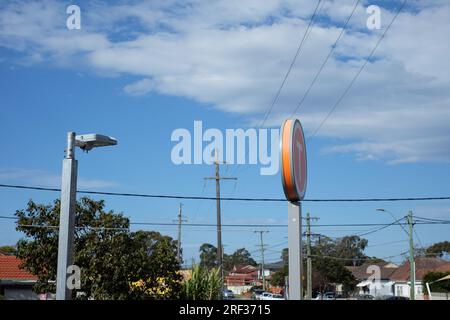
(240, 269)
(9, 269)
(362, 272)
(423, 266)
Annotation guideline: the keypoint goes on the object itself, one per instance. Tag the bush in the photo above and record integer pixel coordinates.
(441, 286)
(204, 284)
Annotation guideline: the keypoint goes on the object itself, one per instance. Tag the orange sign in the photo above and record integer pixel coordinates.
(293, 160)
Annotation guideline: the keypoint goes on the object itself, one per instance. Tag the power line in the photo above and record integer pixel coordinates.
(359, 71)
(354, 259)
(381, 228)
(430, 219)
(382, 225)
(161, 196)
(385, 243)
(325, 61)
(305, 35)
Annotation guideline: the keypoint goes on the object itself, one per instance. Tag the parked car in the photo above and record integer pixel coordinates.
(271, 296)
(364, 297)
(329, 296)
(256, 295)
(397, 298)
(227, 294)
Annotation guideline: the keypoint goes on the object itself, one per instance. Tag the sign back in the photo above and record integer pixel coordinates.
(293, 160)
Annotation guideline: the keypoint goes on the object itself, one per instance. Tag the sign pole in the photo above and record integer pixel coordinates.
(295, 250)
(293, 177)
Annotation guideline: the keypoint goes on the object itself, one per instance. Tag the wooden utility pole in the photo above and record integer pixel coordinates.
(261, 232)
(217, 177)
(180, 220)
(308, 257)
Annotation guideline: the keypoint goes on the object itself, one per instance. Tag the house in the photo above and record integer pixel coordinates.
(423, 265)
(374, 278)
(393, 279)
(241, 278)
(15, 283)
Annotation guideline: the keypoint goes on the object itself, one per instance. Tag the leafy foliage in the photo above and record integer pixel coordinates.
(208, 257)
(204, 284)
(440, 286)
(8, 250)
(110, 257)
(438, 249)
(239, 257)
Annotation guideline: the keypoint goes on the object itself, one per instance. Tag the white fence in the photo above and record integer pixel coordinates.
(440, 296)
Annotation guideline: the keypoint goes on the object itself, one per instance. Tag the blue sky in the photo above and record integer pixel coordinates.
(139, 71)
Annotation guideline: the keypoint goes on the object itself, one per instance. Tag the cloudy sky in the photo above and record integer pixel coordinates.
(139, 70)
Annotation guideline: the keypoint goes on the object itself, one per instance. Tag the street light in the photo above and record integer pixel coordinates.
(68, 202)
(412, 263)
(393, 217)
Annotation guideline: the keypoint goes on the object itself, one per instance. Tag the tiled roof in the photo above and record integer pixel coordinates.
(243, 269)
(360, 272)
(423, 266)
(444, 268)
(9, 269)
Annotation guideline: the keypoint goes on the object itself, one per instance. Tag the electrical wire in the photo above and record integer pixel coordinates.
(305, 36)
(356, 259)
(381, 228)
(305, 94)
(344, 93)
(381, 225)
(160, 196)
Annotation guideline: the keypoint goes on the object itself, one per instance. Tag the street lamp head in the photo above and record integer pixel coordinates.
(382, 210)
(87, 142)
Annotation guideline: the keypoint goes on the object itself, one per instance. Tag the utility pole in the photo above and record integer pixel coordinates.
(261, 232)
(308, 257)
(180, 221)
(412, 266)
(217, 177)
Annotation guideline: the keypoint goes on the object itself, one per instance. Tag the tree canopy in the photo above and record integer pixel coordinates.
(438, 249)
(208, 257)
(115, 263)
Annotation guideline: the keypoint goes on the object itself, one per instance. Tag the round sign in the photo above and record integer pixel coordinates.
(293, 160)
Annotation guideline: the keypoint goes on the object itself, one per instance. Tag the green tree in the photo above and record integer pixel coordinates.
(8, 250)
(330, 258)
(279, 276)
(110, 257)
(351, 248)
(440, 286)
(438, 249)
(208, 256)
(239, 257)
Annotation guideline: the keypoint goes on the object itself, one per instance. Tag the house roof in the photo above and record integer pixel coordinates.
(360, 272)
(10, 270)
(423, 266)
(243, 269)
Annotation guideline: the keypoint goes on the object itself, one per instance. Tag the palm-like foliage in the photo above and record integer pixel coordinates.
(204, 284)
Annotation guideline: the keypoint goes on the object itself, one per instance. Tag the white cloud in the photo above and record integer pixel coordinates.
(233, 55)
(48, 180)
(140, 87)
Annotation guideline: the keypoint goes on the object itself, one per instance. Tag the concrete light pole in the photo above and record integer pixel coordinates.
(412, 264)
(68, 203)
